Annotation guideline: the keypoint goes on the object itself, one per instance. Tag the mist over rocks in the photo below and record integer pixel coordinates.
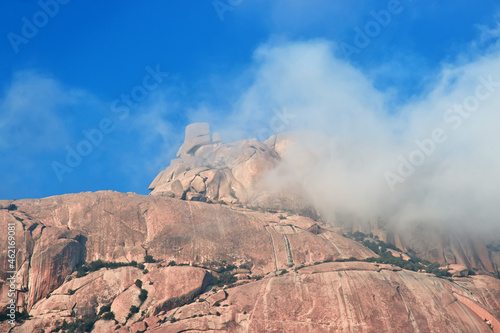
(278, 218)
(233, 211)
(235, 173)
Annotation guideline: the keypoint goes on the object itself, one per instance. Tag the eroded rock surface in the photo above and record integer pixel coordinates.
(58, 233)
(209, 170)
(211, 209)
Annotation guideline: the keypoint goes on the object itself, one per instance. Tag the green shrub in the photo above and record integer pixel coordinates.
(223, 267)
(359, 236)
(82, 271)
(85, 324)
(108, 316)
(133, 310)
(372, 246)
(19, 317)
(11, 207)
(225, 278)
(244, 266)
(138, 283)
(71, 291)
(96, 265)
(172, 263)
(104, 309)
(143, 295)
(217, 313)
(149, 259)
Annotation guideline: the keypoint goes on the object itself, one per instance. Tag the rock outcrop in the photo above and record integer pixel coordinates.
(215, 249)
(57, 234)
(209, 170)
(296, 292)
(330, 297)
(45, 256)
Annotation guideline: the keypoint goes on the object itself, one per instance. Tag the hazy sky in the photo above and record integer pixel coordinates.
(96, 95)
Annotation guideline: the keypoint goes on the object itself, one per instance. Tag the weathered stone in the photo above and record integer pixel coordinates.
(198, 184)
(233, 173)
(295, 285)
(139, 326)
(217, 297)
(197, 135)
(122, 303)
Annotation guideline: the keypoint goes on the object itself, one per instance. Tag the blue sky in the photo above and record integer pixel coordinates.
(61, 80)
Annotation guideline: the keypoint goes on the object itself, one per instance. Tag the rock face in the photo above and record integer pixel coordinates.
(58, 233)
(215, 250)
(452, 247)
(209, 170)
(331, 297)
(45, 256)
(447, 246)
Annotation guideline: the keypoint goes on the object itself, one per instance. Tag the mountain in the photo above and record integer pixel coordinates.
(216, 248)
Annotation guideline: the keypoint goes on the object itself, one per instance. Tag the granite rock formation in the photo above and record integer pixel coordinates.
(212, 171)
(214, 250)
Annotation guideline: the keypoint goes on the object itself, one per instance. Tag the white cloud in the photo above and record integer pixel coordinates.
(31, 110)
(457, 183)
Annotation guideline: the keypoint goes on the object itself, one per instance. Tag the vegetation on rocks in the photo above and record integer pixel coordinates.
(11, 207)
(104, 309)
(20, 316)
(372, 242)
(80, 325)
(84, 269)
(225, 278)
(149, 259)
(386, 257)
(133, 310)
(143, 295)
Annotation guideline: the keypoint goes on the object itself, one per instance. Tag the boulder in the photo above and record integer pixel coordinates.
(197, 135)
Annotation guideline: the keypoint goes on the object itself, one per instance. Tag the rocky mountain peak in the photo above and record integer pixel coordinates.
(197, 136)
(210, 170)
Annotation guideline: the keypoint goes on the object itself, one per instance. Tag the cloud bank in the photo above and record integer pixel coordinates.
(433, 158)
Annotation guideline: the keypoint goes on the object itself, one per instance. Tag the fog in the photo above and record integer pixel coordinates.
(358, 152)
